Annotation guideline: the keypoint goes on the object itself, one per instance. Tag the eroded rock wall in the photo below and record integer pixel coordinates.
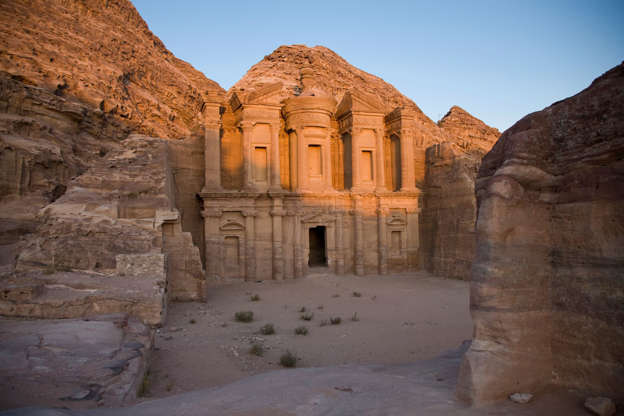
(449, 203)
(547, 289)
(449, 211)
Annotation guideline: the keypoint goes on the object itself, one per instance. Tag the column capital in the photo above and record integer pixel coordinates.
(278, 212)
(249, 212)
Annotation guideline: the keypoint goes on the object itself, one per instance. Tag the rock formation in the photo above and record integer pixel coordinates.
(75, 79)
(449, 206)
(103, 53)
(547, 289)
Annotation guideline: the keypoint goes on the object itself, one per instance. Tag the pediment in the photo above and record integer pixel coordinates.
(235, 102)
(360, 102)
(396, 221)
(269, 94)
(232, 225)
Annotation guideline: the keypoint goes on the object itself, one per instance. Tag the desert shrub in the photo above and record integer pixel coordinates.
(357, 294)
(243, 316)
(336, 320)
(257, 349)
(255, 298)
(301, 330)
(307, 316)
(302, 309)
(288, 359)
(355, 317)
(267, 329)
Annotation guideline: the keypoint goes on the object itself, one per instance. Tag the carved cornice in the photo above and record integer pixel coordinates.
(211, 212)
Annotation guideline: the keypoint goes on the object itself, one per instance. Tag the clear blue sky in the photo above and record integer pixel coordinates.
(499, 59)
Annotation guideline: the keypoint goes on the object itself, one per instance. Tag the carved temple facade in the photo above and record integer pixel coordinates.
(296, 184)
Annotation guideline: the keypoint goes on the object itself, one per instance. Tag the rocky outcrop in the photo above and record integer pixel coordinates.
(75, 79)
(103, 53)
(117, 229)
(447, 223)
(100, 361)
(467, 131)
(449, 205)
(547, 289)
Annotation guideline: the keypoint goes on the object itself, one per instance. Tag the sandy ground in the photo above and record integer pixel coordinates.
(400, 319)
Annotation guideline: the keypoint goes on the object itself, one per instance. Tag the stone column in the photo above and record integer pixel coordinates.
(302, 175)
(359, 236)
(382, 214)
(340, 262)
(278, 256)
(294, 167)
(212, 148)
(355, 160)
(380, 172)
(250, 250)
(276, 180)
(407, 161)
(247, 128)
(326, 161)
(298, 248)
(213, 242)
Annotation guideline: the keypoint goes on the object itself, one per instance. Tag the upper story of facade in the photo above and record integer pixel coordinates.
(257, 142)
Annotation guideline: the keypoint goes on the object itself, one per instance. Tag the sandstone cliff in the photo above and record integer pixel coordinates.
(547, 289)
(449, 206)
(103, 53)
(467, 131)
(75, 79)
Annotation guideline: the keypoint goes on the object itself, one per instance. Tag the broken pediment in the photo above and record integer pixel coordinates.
(355, 101)
(268, 94)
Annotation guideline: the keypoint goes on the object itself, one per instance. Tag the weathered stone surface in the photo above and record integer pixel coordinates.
(109, 210)
(449, 211)
(467, 131)
(103, 53)
(72, 363)
(547, 289)
(424, 388)
(601, 406)
(449, 203)
(112, 222)
(78, 294)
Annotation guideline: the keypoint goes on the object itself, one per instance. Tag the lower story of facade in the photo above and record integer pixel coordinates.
(264, 236)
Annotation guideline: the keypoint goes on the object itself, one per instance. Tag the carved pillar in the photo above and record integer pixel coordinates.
(298, 248)
(278, 256)
(359, 236)
(250, 249)
(302, 175)
(276, 181)
(340, 261)
(247, 129)
(212, 148)
(355, 160)
(213, 242)
(294, 167)
(408, 180)
(380, 172)
(326, 161)
(382, 214)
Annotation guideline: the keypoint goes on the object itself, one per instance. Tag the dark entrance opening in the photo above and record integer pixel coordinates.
(317, 247)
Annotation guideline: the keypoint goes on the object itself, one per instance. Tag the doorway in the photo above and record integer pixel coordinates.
(317, 256)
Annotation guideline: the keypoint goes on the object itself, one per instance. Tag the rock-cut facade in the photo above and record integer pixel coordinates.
(308, 184)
